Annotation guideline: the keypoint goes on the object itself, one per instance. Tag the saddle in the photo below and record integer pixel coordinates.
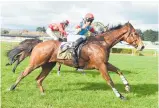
(65, 50)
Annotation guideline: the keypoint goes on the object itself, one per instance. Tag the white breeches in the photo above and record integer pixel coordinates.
(54, 34)
(73, 38)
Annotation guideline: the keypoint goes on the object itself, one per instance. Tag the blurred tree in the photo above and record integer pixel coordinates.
(41, 29)
(140, 33)
(150, 35)
(5, 31)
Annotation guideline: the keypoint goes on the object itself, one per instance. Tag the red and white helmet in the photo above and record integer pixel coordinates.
(66, 22)
(89, 16)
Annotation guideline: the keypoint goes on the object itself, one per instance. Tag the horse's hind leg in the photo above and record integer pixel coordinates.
(46, 68)
(116, 70)
(59, 69)
(28, 70)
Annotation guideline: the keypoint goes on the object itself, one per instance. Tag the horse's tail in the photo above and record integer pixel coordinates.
(25, 46)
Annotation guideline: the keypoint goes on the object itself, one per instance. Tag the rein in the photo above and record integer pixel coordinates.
(101, 38)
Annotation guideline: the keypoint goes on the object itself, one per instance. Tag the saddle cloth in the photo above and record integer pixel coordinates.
(64, 51)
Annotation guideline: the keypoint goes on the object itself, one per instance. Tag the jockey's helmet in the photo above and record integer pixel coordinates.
(66, 22)
(89, 17)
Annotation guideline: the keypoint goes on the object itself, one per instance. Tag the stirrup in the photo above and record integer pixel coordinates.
(76, 65)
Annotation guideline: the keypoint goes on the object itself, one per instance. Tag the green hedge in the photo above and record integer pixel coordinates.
(121, 50)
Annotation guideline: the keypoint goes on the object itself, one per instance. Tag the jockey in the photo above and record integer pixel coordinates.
(57, 30)
(85, 25)
(81, 30)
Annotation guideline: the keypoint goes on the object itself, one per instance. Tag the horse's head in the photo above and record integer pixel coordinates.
(132, 37)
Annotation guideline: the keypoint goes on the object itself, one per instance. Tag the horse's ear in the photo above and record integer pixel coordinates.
(127, 23)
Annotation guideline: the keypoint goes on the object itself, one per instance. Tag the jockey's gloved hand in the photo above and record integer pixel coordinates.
(63, 33)
(86, 25)
(94, 34)
(64, 39)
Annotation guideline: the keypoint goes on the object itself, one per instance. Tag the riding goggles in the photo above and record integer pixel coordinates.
(89, 20)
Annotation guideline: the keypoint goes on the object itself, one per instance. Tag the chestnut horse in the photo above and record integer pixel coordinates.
(94, 55)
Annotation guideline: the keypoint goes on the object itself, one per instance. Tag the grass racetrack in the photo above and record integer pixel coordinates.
(73, 89)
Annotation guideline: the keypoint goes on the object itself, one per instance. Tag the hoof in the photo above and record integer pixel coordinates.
(83, 73)
(42, 93)
(58, 73)
(123, 98)
(12, 87)
(13, 70)
(127, 88)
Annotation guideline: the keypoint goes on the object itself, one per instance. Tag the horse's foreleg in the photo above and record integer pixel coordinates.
(116, 70)
(59, 69)
(28, 70)
(46, 68)
(105, 75)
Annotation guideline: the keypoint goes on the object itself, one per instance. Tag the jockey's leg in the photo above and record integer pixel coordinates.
(75, 45)
(79, 41)
(51, 34)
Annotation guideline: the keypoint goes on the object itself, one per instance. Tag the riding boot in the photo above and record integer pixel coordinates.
(74, 54)
(78, 42)
(75, 58)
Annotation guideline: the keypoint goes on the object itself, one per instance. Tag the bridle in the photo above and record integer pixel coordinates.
(132, 35)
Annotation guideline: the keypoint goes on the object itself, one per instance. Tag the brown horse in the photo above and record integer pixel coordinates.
(94, 55)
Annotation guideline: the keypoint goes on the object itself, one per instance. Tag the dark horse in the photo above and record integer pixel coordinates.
(20, 52)
(94, 55)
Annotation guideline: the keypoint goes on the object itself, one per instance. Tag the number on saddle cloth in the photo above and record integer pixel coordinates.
(64, 51)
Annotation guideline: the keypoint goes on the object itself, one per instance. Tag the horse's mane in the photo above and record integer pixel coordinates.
(115, 27)
(100, 37)
(95, 38)
(90, 38)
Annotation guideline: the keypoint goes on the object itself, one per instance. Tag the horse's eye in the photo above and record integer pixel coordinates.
(135, 33)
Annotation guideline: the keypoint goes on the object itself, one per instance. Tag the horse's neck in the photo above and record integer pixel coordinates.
(115, 36)
(110, 38)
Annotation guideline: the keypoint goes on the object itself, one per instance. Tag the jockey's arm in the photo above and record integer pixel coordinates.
(86, 25)
(93, 32)
(79, 28)
(61, 30)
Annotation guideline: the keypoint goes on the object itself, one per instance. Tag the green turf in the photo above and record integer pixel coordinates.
(75, 90)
